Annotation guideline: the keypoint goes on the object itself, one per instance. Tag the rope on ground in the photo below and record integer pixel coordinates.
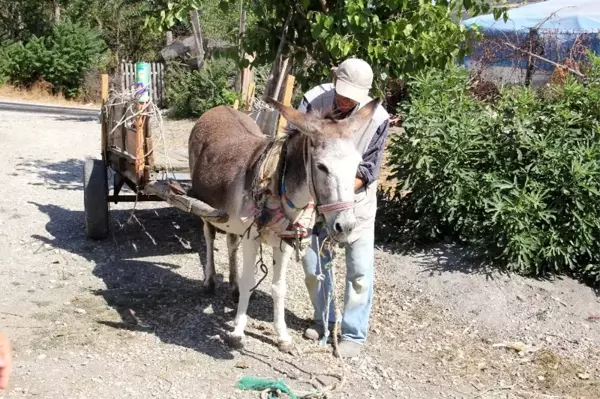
(329, 266)
(274, 389)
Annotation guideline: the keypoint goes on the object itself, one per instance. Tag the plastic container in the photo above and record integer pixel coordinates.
(142, 81)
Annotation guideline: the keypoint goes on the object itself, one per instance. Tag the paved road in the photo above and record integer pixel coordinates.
(30, 108)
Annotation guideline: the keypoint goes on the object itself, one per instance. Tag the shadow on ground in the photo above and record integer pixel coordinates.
(66, 175)
(80, 118)
(152, 295)
(436, 257)
(394, 235)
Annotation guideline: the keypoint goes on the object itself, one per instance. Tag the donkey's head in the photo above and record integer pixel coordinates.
(332, 163)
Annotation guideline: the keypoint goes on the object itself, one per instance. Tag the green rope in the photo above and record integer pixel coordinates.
(261, 384)
(274, 386)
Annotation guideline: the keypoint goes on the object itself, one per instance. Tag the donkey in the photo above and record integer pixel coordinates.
(318, 167)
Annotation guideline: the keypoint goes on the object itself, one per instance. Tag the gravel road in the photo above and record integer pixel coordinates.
(126, 318)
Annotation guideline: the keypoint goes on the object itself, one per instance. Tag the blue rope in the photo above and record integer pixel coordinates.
(328, 297)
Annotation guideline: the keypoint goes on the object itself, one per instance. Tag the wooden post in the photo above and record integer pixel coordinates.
(247, 81)
(104, 89)
(142, 80)
(250, 96)
(104, 127)
(287, 100)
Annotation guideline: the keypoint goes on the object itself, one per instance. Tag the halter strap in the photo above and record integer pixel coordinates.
(282, 188)
(335, 207)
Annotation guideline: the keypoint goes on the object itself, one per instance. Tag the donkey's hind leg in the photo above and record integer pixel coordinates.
(209, 267)
(233, 242)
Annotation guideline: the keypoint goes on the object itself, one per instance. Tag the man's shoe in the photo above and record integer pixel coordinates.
(314, 332)
(349, 349)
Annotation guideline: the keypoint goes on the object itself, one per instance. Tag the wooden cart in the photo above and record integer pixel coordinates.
(129, 155)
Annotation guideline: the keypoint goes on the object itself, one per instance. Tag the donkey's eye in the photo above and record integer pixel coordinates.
(322, 168)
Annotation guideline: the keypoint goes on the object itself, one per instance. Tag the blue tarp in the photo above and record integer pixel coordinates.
(560, 23)
(561, 15)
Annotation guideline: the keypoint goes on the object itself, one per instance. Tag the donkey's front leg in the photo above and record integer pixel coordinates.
(249, 252)
(281, 258)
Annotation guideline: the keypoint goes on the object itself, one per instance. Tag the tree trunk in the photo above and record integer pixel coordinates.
(533, 45)
(169, 38)
(56, 12)
(282, 74)
(273, 78)
(239, 82)
(197, 37)
(118, 42)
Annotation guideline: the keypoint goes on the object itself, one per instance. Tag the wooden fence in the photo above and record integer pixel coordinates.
(157, 80)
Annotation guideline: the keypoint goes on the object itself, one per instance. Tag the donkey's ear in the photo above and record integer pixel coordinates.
(306, 123)
(363, 115)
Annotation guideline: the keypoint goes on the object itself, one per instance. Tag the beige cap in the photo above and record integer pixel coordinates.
(354, 78)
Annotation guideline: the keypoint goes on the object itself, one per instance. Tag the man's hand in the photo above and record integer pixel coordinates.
(5, 361)
(358, 183)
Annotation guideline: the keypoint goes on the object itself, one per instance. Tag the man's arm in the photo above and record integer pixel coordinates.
(370, 166)
(304, 106)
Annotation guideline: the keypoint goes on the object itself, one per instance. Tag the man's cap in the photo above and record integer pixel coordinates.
(354, 78)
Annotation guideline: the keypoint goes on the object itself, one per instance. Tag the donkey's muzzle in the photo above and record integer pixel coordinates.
(343, 225)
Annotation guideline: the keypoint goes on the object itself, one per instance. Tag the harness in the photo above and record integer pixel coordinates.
(270, 195)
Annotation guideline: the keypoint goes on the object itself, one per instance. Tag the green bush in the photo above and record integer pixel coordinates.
(191, 93)
(518, 179)
(60, 59)
(5, 64)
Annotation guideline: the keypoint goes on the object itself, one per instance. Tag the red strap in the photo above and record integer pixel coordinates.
(336, 206)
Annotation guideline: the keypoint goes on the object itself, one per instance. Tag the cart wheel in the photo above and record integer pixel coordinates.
(95, 199)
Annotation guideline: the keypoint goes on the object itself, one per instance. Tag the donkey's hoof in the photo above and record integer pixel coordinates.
(209, 287)
(285, 346)
(235, 341)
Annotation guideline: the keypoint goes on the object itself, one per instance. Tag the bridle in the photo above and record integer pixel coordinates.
(322, 209)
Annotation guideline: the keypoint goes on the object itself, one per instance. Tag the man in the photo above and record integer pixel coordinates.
(5, 361)
(348, 93)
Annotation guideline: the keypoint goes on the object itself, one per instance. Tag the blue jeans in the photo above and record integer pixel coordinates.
(358, 296)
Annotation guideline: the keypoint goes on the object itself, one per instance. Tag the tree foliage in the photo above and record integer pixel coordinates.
(191, 93)
(396, 37)
(215, 23)
(516, 179)
(60, 58)
(20, 20)
(121, 25)
(132, 30)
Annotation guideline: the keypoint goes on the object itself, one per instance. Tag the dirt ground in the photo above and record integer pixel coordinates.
(126, 318)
